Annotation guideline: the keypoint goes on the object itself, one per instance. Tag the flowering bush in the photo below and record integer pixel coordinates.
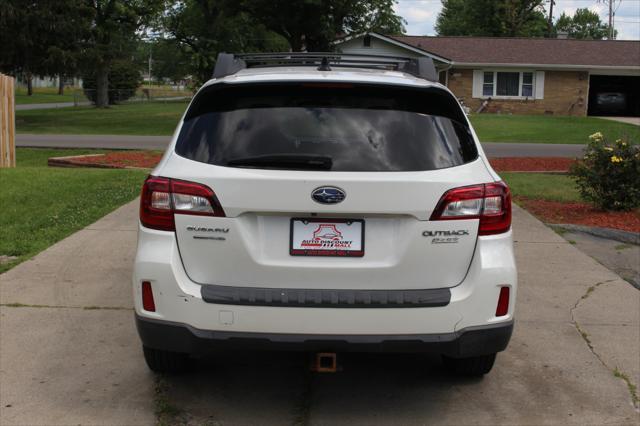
(609, 173)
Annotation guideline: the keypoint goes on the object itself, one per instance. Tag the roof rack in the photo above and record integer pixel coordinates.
(229, 63)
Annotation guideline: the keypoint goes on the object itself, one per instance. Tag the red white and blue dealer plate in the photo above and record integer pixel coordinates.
(327, 237)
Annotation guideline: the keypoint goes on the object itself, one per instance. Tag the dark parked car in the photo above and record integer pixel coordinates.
(611, 101)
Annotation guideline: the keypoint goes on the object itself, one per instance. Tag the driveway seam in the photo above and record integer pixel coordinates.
(543, 242)
(86, 308)
(615, 371)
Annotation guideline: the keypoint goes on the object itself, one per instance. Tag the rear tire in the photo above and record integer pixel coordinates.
(166, 362)
(472, 366)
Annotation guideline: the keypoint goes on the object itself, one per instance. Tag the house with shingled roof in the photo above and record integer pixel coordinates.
(556, 76)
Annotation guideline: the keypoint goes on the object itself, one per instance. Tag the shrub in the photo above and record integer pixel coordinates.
(124, 79)
(609, 174)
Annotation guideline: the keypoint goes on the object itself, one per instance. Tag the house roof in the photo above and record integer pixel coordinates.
(540, 51)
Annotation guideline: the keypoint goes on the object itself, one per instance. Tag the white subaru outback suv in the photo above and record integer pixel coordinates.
(326, 203)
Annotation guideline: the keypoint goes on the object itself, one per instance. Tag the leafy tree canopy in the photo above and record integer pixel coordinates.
(203, 28)
(492, 18)
(585, 24)
(314, 24)
(42, 37)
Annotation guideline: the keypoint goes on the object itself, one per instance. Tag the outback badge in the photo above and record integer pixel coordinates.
(445, 237)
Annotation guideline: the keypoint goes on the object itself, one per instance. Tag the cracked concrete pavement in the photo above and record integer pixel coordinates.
(77, 360)
(622, 258)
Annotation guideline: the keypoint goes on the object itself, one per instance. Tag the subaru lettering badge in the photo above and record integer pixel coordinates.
(328, 195)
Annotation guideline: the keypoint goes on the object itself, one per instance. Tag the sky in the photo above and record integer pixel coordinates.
(421, 14)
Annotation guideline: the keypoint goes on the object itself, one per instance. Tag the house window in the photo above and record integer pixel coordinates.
(507, 84)
(487, 84)
(527, 84)
(366, 41)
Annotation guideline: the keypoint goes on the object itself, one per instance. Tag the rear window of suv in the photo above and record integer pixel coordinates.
(317, 126)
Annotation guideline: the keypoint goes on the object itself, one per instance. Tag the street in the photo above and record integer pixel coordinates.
(161, 142)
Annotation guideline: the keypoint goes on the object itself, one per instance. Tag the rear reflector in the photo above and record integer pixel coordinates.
(162, 198)
(491, 203)
(503, 302)
(147, 297)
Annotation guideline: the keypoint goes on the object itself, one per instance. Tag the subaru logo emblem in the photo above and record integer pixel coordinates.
(328, 195)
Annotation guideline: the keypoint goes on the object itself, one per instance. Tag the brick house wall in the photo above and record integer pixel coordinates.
(565, 93)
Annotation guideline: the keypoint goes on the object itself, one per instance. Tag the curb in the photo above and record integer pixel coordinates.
(611, 234)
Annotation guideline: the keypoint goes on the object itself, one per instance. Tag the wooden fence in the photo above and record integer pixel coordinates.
(7, 122)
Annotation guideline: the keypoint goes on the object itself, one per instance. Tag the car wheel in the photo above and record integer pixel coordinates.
(472, 366)
(165, 361)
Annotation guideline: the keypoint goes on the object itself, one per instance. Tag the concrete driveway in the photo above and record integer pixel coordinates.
(69, 353)
(629, 120)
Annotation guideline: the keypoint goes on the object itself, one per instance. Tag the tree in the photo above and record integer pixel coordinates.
(22, 40)
(124, 78)
(68, 25)
(114, 30)
(203, 28)
(165, 58)
(585, 24)
(41, 37)
(492, 18)
(314, 24)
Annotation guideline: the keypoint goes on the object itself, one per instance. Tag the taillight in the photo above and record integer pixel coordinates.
(491, 203)
(162, 198)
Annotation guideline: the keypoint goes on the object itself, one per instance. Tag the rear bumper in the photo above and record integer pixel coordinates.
(177, 337)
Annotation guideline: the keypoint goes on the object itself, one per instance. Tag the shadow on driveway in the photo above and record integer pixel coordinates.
(279, 388)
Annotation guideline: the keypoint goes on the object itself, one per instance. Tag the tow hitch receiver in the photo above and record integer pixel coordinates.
(325, 362)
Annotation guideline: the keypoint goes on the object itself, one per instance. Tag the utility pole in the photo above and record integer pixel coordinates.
(611, 19)
(612, 13)
(150, 59)
(550, 23)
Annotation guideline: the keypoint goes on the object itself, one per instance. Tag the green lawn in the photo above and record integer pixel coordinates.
(548, 129)
(152, 118)
(542, 186)
(44, 95)
(41, 205)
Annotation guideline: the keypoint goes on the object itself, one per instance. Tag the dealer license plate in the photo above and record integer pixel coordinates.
(327, 237)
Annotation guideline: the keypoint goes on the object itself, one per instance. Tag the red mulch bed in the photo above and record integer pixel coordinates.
(581, 214)
(148, 159)
(531, 164)
(116, 160)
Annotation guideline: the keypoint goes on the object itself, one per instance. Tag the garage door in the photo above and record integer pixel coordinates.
(614, 95)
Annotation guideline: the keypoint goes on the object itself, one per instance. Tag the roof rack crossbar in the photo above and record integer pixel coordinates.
(229, 64)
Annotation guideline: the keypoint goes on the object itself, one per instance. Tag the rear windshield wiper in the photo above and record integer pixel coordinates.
(284, 161)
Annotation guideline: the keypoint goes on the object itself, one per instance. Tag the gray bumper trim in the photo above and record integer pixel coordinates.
(325, 298)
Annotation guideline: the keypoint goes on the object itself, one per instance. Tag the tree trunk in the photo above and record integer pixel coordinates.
(296, 42)
(102, 86)
(60, 84)
(29, 84)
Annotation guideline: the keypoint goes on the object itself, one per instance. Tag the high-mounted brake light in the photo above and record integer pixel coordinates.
(162, 198)
(491, 203)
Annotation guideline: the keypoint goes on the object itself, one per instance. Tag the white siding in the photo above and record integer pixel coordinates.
(539, 85)
(378, 47)
(476, 91)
